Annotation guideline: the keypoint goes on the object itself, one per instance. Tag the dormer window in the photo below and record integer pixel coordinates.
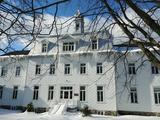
(94, 45)
(68, 46)
(44, 47)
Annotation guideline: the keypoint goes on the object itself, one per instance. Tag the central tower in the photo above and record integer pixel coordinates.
(79, 22)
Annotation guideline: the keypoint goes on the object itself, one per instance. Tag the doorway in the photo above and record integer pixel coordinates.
(66, 92)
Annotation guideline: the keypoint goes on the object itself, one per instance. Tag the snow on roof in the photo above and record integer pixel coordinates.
(23, 52)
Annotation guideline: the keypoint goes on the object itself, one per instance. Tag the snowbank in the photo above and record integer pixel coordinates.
(16, 115)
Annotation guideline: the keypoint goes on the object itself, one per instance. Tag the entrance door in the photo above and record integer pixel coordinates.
(66, 92)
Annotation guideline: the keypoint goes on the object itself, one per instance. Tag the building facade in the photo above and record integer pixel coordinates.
(83, 68)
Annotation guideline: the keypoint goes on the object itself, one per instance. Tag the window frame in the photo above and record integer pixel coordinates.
(15, 92)
(18, 71)
(69, 90)
(83, 68)
(50, 92)
(67, 69)
(52, 69)
(77, 26)
(1, 92)
(131, 69)
(154, 69)
(4, 71)
(133, 95)
(94, 44)
(100, 94)
(82, 94)
(38, 69)
(99, 68)
(36, 92)
(156, 92)
(44, 47)
(68, 46)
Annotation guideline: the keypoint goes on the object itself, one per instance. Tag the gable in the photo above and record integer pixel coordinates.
(68, 38)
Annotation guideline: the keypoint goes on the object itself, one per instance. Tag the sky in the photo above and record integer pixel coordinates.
(68, 8)
(65, 12)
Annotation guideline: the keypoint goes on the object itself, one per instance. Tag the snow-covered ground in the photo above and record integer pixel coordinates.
(16, 115)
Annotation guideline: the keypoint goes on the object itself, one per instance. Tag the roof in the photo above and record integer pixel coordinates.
(23, 52)
(125, 45)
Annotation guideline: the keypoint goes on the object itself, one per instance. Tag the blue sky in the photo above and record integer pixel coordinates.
(69, 8)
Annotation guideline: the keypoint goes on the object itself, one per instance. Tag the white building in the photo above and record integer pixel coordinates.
(83, 68)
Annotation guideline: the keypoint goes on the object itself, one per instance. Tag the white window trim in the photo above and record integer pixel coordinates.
(131, 74)
(94, 39)
(68, 42)
(136, 95)
(44, 42)
(154, 96)
(86, 95)
(71, 67)
(17, 92)
(53, 92)
(104, 92)
(18, 75)
(54, 68)
(155, 67)
(38, 92)
(6, 69)
(101, 66)
(86, 68)
(40, 69)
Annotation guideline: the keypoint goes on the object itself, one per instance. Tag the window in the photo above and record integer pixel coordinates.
(66, 92)
(157, 95)
(99, 68)
(52, 69)
(99, 93)
(68, 46)
(131, 68)
(15, 92)
(82, 68)
(67, 69)
(77, 26)
(82, 93)
(18, 70)
(4, 71)
(1, 92)
(133, 95)
(94, 45)
(50, 92)
(38, 69)
(35, 92)
(154, 69)
(44, 47)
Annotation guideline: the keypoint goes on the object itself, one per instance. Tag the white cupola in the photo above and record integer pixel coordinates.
(79, 22)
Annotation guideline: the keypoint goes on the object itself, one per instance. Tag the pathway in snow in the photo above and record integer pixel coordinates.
(59, 109)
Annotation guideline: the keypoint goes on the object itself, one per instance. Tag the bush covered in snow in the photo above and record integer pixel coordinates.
(86, 111)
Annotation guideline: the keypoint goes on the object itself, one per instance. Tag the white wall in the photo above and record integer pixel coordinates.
(11, 80)
(144, 81)
(75, 79)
